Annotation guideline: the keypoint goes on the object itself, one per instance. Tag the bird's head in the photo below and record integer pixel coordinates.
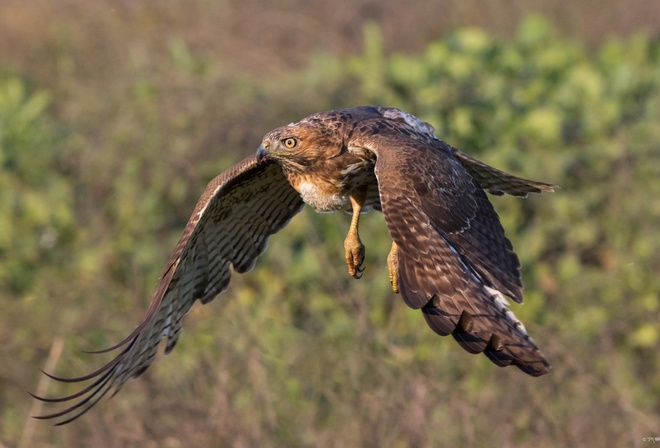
(316, 138)
(302, 144)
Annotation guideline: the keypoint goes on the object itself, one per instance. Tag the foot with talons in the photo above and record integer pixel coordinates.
(393, 267)
(354, 255)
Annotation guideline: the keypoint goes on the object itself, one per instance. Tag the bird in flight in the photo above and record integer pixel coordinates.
(449, 256)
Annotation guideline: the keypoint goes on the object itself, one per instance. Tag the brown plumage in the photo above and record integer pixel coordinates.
(450, 257)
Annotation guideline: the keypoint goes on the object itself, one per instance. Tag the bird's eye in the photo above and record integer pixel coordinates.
(290, 142)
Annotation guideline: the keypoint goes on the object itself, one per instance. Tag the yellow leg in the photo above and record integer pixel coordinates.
(352, 244)
(393, 267)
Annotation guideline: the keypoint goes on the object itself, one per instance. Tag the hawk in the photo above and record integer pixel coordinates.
(449, 256)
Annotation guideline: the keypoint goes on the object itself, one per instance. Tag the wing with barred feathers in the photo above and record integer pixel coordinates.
(231, 224)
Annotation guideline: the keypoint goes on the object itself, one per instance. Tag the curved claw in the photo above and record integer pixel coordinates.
(354, 256)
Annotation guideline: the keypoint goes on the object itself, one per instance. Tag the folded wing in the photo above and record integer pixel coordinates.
(455, 263)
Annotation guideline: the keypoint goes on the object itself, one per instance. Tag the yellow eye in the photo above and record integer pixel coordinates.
(290, 142)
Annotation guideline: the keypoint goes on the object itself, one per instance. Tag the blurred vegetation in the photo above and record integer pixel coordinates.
(96, 185)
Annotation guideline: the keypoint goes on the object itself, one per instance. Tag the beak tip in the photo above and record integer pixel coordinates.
(262, 153)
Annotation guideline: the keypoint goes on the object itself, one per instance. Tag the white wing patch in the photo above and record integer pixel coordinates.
(411, 120)
(500, 301)
(503, 306)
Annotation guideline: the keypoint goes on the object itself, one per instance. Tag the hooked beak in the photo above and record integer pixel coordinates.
(262, 153)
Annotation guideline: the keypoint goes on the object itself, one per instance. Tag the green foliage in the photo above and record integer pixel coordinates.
(37, 217)
(94, 194)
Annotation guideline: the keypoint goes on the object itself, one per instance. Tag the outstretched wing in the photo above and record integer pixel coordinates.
(455, 263)
(231, 224)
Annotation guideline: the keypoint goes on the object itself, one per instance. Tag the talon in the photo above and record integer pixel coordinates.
(393, 267)
(354, 256)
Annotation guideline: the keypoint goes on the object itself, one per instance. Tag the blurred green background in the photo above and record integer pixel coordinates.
(115, 114)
